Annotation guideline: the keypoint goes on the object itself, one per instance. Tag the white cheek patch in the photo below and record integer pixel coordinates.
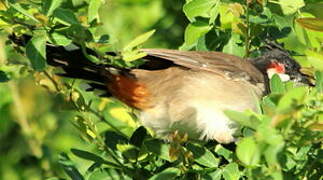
(272, 71)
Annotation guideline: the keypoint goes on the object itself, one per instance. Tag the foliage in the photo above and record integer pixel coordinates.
(283, 142)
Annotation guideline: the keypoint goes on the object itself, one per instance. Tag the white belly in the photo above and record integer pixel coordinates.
(199, 113)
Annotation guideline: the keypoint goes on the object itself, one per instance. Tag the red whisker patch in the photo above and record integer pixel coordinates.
(280, 68)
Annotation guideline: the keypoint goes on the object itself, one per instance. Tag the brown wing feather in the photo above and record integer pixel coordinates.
(216, 62)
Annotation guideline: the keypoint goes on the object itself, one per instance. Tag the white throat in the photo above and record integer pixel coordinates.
(272, 71)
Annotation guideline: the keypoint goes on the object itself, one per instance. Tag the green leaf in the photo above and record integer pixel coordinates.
(107, 173)
(20, 9)
(59, 39)
(215, 175)
(194, 31)
(196, 8)
(36, 52)
(87, 155)
(138, 40)
(138, 137)
(231, 172)
(290, 7)
(271, 154)
(227, 154)
(248, 152)
(291, 97)
(130, 151)
(112, 139)
(159, 148)
(276, 84)
(243, 118)
(49, 6)
(319, 80)
(315, 59)
(93, 9)
(69, 167)
(132, 55)
(314, 24)
(234, 47)
(203, 156)
(169, 173)
(215, 11)
(65, 16)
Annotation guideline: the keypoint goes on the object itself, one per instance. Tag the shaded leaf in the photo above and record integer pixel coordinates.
(108, 173)
(69, 167)
(138, 136)
(87, 155)
(49, 6)
(159, 148)
(169, 173)
(65, 16)
(59, 39)
(203, 156)
(3, 77)
(36, 52)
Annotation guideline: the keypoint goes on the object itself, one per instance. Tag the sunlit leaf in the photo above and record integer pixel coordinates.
(138, 40)
(234, 47)
(93, 9)
(290, 7)
(315, 24)
(198, 8)
(319, 80)
(20, 9)
(231, 172)
(315, 59)
(194, 31)
(276, 84)
(248, 152)
(291, 97)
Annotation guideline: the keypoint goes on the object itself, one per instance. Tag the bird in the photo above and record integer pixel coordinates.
(184, 91)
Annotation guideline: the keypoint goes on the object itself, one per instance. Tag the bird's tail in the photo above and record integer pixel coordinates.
(74, 63)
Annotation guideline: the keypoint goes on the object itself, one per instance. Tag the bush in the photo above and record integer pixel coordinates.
(282, 142)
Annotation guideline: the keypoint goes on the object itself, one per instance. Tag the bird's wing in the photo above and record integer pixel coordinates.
(216, 62)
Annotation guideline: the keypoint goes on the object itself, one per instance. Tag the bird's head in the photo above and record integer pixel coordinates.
(278, 61)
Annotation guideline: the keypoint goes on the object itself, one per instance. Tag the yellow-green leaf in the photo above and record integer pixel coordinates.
(138, 40)
(314, 24)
